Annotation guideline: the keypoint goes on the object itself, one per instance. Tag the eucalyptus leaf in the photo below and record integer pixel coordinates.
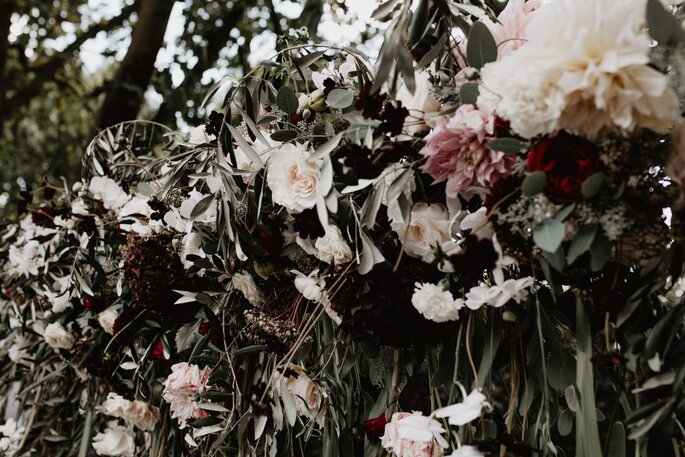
(286, 100)
(534, 183)
(592, 185)
(663, 26)
(549, 235)
(507, 145)
(581, 242)
(481, 47)
(340, 98)
(468, 93)
(284, 135)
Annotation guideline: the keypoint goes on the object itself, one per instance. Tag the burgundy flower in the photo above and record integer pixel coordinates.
(568, 160)
(158, 351)
(43, 216)
(393, 118)
(307, 224)
(89, 302)
(370, 104)
(375, 427)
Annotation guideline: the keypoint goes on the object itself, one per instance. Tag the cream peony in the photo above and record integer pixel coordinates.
(244, 282)
(108, 192)
(107, 318)
(57, 336)
(428, 227)
(134, 412)
(180, 388)
(295, 179)
(332, 247)
(116, 440)
(435, 303)
(583, 68)
(392, 438)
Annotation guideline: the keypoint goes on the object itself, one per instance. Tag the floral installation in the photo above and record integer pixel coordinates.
(346, 249)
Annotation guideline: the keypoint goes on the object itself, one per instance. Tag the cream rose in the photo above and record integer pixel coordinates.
(244, 282)
(332, 248)
(428, 227)
(134, 412)
(107, 318)
(57, 336)
(295, 179)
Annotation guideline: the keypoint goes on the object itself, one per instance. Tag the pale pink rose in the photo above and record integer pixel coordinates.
(135, 412)
(180, 388)
(457, 152)
(392, 441)
(308, 396)
(510, 29)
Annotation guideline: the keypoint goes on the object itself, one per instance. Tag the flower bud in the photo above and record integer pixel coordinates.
(317, 100)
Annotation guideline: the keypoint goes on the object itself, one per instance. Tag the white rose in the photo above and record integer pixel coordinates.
(294, 179)
(107, 318)
(436, 304)
(108, 192)
(116, 440)
(332, 248)
(244, 282)
(428, 227)
(57, 337)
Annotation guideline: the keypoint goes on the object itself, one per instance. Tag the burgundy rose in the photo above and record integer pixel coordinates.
(567, 160)
(158, 352)
(375, 427)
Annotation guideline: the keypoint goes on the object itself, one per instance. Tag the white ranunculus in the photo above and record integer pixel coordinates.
(429, 226)
(295, 179)
(116, 440)
(435, 303)
(468, 410)
(108, 192)
(107, 318)
(584, 67)
(27, 260)
(467, 451)
(245, 283)
(332, 247)
(57, 336)
(313, 288)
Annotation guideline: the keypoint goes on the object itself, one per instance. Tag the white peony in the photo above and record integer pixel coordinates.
(244, 282)
(180, 389)
(583, 68)
(107, 318)
(429, 227)
(295, 179)
(436, 304)
(332, 247)
(468, 410)
(57, 336)
(108, 192)
(116, 440)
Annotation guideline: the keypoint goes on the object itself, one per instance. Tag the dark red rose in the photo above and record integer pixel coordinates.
(89, 302)
(158, 351)
(568, 160)
(375, 428)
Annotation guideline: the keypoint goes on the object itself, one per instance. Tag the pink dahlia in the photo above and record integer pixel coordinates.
(457, 152)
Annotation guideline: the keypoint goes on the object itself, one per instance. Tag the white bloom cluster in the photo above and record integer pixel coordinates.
(584, 67)
(435, 303)
(134, 412)
(116, 440)
(498, 294)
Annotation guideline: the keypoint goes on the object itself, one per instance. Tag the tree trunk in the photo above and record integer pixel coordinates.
(125, 97)
(7, 7)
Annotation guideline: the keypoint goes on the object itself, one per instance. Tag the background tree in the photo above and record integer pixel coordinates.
(71, 67)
